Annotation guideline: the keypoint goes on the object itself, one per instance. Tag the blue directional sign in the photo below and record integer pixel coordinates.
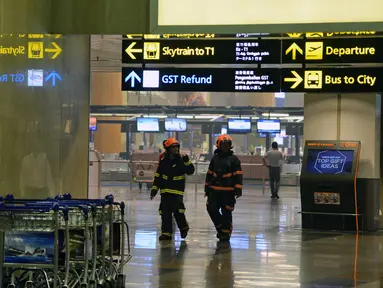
(330, 162)
(52, 76)
(202, 79)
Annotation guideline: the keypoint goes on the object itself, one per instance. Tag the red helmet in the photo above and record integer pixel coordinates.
(171, 142)
(224, 138)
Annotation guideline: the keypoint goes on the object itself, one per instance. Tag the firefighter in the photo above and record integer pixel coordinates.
(223, 185)
(170, 180)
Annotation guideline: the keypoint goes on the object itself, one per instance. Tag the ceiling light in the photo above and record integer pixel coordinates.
(110, 115)
(238, 117)
(292, 118)
(205, 116)
(276, 114)
(185, 116)
(155, 116)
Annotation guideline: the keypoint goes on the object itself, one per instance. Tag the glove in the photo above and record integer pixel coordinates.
(238, 192)
(153, 193)
(185, 157)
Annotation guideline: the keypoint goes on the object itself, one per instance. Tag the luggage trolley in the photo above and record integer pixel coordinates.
(34, 264)
(87, 215)
(109, 214)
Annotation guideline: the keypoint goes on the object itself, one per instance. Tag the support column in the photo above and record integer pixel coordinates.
(106, 90)
(351, 117)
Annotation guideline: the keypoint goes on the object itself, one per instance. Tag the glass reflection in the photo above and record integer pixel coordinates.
(171, 264)
(145, 239)
(240, 242)
(36, 174)
(219, 272)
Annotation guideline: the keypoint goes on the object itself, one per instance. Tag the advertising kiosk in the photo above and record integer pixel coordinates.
(328, 185)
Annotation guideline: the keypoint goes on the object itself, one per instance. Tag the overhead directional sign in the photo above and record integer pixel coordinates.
(204, 79)
(338, 34)
(342, 50)
(331, 80)
(250, 51)
(239, 51)
(332, 34)
(334, 80)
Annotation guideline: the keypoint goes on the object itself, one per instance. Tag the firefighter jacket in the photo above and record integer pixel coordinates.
(224, 173)
(170, 175)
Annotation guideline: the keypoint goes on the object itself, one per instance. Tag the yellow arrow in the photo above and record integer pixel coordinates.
(294, 35)
(130, 50)
(131, 36)
(298, 80)
(294, 48)
(57, 50)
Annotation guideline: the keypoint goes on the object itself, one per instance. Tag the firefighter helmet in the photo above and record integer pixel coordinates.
(224, 138)
(171, 142)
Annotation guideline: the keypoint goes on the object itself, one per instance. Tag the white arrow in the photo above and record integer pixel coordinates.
(132, 77)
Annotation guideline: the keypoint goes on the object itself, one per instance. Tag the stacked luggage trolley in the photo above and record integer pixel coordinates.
(63, 242)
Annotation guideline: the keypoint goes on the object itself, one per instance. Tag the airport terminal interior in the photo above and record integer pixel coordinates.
(273, 243)
(85, 133)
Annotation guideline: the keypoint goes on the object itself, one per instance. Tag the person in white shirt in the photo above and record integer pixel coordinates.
(274, 157)
(36, 179)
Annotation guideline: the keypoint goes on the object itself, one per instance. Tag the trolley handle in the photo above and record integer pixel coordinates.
(65, 211)
(109, 199)
(93, 208)
(96, 202)
(38, 208)
(100, 203)
(85, 210)
(122, 207)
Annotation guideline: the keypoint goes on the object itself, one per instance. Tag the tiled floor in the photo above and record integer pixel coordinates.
(267, 249)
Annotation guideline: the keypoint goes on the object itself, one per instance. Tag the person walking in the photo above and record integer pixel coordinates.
(274, 157)
(170, 181)
(223, 185)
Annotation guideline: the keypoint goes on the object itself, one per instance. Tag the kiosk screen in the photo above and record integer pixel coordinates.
(330, 162)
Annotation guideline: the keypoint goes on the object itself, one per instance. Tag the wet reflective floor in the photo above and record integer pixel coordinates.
(267, 248)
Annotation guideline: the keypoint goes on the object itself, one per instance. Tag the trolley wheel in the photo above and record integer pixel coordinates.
(140, 186)
(121, 281)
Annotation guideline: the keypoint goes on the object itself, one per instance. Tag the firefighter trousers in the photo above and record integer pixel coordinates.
(172, 204)
(220, 205)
